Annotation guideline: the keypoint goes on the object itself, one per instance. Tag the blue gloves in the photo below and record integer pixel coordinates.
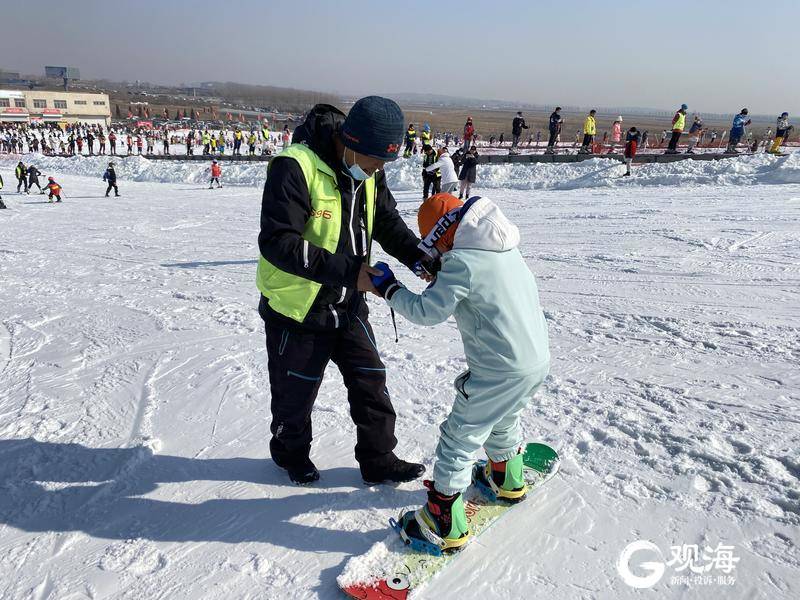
(385, 283)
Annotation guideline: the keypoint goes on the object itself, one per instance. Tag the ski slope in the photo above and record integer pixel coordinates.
(134, 398)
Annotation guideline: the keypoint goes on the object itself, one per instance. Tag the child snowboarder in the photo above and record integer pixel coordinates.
(631, 145)
(54, 189)
(216, 171)
(485, 283)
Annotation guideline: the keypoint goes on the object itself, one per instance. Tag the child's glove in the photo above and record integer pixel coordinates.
(426, 268)
(385, 283)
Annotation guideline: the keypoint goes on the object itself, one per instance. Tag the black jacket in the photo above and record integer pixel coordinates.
(555, 122)
(286, 207)
(469, 168)
(517, 125)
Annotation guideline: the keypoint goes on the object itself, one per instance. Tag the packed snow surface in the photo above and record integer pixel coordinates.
(134, 396)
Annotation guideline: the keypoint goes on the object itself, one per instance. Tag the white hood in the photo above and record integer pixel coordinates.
(485, 227)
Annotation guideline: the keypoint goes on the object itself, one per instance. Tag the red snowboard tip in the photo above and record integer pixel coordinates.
(378, 590)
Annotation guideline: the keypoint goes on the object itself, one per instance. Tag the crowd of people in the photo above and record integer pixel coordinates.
(94, 139)
(588, 141)
(443, 169)
(439, 165)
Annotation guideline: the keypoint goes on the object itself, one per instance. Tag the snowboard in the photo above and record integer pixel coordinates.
(392, 570)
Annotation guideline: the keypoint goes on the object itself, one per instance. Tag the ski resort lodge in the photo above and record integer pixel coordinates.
(30, 106)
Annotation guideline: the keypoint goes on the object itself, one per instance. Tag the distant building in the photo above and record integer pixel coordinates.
(25, 106)
(9, 77)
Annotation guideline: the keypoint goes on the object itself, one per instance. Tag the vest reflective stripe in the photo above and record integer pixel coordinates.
(680, 123)
(292, 295)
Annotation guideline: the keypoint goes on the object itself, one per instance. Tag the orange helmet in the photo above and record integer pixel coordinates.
(440, 231)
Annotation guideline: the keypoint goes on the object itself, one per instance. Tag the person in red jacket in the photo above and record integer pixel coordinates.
(469, 133)
(216, 171)
(631, 146)
(54, 189)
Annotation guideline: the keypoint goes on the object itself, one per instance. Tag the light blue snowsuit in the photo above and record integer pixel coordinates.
(486, 285)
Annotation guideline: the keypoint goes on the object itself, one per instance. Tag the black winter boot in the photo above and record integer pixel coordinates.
(391, 470)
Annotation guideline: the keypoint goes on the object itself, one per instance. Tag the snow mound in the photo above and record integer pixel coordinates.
(138, 168)
(604, 173)
(404, 175)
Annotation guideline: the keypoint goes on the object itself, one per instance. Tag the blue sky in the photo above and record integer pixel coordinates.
(714, 55)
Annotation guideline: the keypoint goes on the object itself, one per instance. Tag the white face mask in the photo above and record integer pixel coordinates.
(356, 172)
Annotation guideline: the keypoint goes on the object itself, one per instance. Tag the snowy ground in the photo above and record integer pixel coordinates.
(134, 393)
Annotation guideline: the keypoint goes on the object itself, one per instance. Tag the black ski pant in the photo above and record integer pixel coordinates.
(673, 141)
(297, 361)
(112, 186)
(22, 183)
(34, 182)
(551, 142)
(431, 182)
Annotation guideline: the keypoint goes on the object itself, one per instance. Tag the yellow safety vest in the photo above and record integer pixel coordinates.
(292, 295)
(680, 123)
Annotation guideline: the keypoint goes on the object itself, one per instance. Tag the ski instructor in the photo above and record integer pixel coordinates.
(324, 202)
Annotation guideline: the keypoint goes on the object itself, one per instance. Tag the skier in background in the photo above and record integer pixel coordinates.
(216, 172)
(589, 131)
(110, 177)
(426, 137)
(483, 275)
(678, 125)
(468, 174)
(469, 133)
(2, 204)
(21, 173)
(448, 181)
(286, 137)
(631, 146)
(616, 131)
(33, 179)
(112, 143)
(238, 136)
(645, 135)
(430, 178)
(555, 130)
(54, 189)
(740, 121)
(517, 125)
(695, 131)
(782, 131)
(411, 141)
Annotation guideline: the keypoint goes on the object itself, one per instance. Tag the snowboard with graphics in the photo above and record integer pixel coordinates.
(390, 570)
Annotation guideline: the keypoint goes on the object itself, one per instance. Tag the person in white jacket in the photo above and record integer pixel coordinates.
(448, 170)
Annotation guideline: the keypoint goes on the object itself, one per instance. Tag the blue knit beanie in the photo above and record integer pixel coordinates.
(374, 127)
